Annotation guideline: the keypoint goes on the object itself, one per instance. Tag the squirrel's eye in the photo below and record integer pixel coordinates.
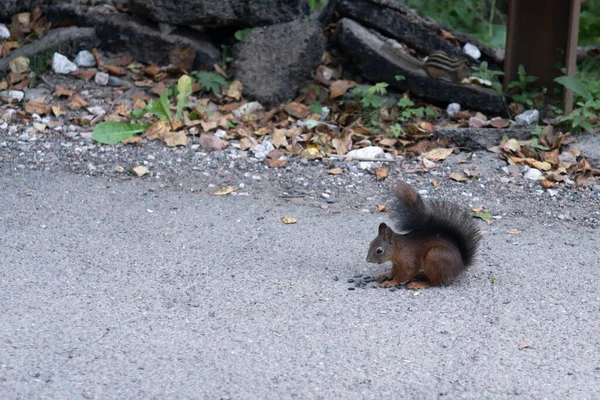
(379, 250)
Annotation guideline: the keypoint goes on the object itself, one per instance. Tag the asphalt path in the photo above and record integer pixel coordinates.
(126, 290)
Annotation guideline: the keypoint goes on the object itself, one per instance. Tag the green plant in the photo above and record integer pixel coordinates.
(241, 34)
(587, 102)
(316, 107)
(408, 110)
(317, 5)
(395, 131)
(589, 23)
(113, 132)
(226, 54)
(40, 62)
(481, 71)
(525, 94)
(210, 81)
(370, 96)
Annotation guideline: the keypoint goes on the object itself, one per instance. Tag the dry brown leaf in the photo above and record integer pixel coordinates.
(334, 171)
(340, 87)
(279, 138)
(514, 231)
(140, 170)
(208, 126)
(512, 145)
(458, 176)
(152, 70)
(226, 190)
(61, 91)
(288, 220)
(546, 184)
(499, 122)
(183, 56)
(34, 107)
(477, 209)
(132, 140)
(381, 173)
(437, 154)
(157, 130)
(275, 163)
(436, 183)
(115, 71)
(57, 110)
(85, 74)
(382, 208)
(173, 139)
(76, 102)
(297, 110)
(234, 90)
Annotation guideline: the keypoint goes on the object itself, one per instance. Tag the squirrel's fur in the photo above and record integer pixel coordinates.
(438, 239)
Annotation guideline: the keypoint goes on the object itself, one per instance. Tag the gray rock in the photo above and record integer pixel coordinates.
(4, 32)
(274, 62)
(220, 12)
(367, 152)
(527, 118)
(11, 7)
(534, 174)
(452, 109)
(13, 94)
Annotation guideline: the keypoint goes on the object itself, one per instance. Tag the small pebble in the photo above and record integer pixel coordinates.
(358, 275)
(335, 278)
(351, 288)
(331, 200)
(350, 280)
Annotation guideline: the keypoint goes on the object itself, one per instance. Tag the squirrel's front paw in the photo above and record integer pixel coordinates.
(389, 284)
(416, 285)
(382, 277)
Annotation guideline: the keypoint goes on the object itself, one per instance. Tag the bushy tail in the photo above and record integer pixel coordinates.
(435, 218)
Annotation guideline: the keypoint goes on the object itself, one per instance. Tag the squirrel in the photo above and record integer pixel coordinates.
(437, 65)
(440, 242)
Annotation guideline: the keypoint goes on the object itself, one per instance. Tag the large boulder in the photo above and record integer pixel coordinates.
(142, 40)
(220, 13)
(274, 62)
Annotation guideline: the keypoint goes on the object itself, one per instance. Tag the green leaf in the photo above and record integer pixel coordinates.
(534, 143)
(486, 216)
(113, 132)
(211, 81)
(574, 84)
(241, 34)
(316, 107)
(400, 78)
(162, 107)
(184, 87)
(405, 102)
(378, 88)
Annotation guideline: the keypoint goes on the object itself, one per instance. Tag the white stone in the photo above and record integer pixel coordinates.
(85, 59)
(13, 94)
(367, 152)
(472, 51)
(62, 65)
(534, 174)
(452, 109)
(101, 78)
(4, 32)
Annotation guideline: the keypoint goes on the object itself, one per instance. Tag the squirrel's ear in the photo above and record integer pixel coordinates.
(382, 228)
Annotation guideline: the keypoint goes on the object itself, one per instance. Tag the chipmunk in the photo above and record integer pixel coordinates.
(440, 65)
(440, 242)
(437, 65)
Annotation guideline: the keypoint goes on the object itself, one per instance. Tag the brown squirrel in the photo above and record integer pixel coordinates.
(440, 241)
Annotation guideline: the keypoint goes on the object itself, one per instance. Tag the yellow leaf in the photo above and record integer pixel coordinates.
(226, 190)
(288, 220)
(457, 176)
(140, 170)
(437, 154)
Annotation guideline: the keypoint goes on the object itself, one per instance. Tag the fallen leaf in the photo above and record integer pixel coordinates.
(275, 163)
(157, 130)
(459, 177)
(499, 122)
(234, 90)
(340, 87)
(477, 209)
(132, 140)
(334, 171)
(173, 139)
(524, 345)
(511, 145)
(437, 154)
(85, 74)
(57, 110)
(61, 91)
(381, 173)
(382, 208)
(436, 183)
(485, 216)
(76, 102)
(288, 220)
(140, 170)
(226, 190)
(297, 110)
(546, 184)
(514, 231)
(115, 71)
(33, 107)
